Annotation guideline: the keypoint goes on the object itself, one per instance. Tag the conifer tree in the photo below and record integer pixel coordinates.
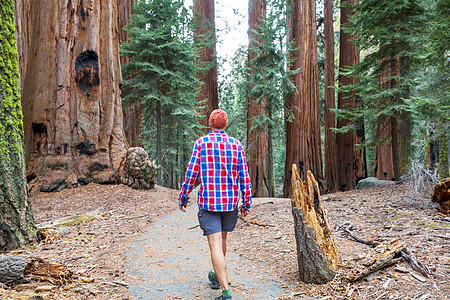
(390, 32)
(161, 75)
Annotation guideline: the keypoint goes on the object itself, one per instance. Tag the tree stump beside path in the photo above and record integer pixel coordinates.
(441, 195)
(317, 250)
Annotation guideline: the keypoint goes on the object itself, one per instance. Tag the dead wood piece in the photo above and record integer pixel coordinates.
(41, 270)
(441, 195)
(378, 258)
(317, 251)
(418, 266)
(12, 269)
(254, 221)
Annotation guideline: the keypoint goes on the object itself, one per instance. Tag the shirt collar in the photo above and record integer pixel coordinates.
(217, 132)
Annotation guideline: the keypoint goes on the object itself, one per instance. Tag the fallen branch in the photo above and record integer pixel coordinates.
(254, 222)
(419, 267)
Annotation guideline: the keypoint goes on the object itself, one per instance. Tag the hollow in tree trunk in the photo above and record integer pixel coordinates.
(71, 77)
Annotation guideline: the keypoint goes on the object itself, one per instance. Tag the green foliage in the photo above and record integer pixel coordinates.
(264, 78)
(161, 77)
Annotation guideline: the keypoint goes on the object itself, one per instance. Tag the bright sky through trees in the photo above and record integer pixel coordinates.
(231, 28)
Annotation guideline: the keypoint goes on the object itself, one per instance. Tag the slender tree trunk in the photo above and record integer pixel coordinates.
(444, 171)
(384, 168)
(331, 177)
(73, 119)
(257, 138)
(132, 116)
(16, 219)
(204, 18)
(303, 133)
(159, 139)
(345, 142)
(395, 147)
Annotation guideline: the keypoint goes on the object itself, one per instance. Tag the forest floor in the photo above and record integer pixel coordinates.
(94, 245)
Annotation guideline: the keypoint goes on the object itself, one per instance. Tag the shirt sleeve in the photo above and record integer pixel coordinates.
(191, 175)
(244, 180)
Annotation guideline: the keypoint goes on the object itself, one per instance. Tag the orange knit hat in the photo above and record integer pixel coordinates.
(218, 119)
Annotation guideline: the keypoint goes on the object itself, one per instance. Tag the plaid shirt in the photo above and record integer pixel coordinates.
(220, 161)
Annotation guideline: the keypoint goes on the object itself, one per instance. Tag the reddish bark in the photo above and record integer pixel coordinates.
(345, 142)
(70, 72)
(303, 133)
(204, 18)
(132, 116)
(257, 139)
(331, 177)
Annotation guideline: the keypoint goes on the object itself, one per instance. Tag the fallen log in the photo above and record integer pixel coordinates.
(17, 268)
(418, 266)
(441, 195)
(381, 256)
(317, 251)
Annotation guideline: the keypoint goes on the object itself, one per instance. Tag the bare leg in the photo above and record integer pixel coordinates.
(217, 248)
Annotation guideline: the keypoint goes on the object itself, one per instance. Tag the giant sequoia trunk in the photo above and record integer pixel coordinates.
(132, 115)
(303, 133)
(345, 142)
(71, 79)
(257, 139)
(16, 219)
(331, 177)
(205, 33)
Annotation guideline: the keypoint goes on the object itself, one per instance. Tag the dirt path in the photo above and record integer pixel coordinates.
(171, 261)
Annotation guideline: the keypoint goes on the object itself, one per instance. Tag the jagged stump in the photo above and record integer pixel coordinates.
(317, 251)
(441, 195)
(140, 171)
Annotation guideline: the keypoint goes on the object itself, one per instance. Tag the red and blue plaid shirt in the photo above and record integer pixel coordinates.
(220, 162)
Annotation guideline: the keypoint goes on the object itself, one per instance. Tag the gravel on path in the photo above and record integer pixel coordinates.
(171, 261)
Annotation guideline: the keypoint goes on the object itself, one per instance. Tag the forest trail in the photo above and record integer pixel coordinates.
(171, 261)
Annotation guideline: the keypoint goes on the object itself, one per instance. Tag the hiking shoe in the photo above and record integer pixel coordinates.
(221, 297)
(215, 285)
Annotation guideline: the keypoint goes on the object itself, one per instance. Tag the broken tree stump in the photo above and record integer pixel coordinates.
(317, 251)
(441, 195)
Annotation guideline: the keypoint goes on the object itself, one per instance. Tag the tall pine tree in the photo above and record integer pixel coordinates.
(161, 75)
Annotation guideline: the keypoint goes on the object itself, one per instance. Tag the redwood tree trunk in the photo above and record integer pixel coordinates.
(331, 177)
(204, 18)
(16, 219)
(303, 133)
(384, 168)
(73, 119)
(345, 142)
(132, 116)
(257, 139)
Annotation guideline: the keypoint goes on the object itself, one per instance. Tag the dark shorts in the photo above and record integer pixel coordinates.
(212, 222)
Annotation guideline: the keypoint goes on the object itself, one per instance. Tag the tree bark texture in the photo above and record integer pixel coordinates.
(317, 250)
(345, 142)
(204, 18)
(257, 138)
(331, 176)
(132, 116)
(384, 168)
(444, 170)
(71, 92)
(441, 195)
(303, 144)
(16, 219)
